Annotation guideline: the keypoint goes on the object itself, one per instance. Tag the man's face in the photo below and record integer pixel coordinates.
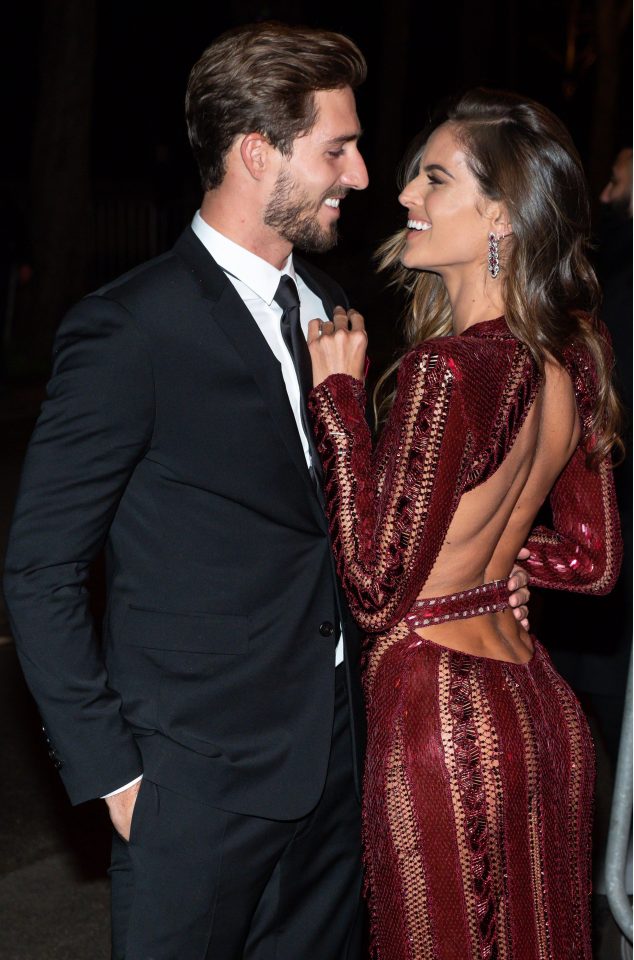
(324, 166)
(617, 193)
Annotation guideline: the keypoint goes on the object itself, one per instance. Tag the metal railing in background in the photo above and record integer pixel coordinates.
(621, 823)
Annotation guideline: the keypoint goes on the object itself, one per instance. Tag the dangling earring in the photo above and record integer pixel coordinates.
(494, 255)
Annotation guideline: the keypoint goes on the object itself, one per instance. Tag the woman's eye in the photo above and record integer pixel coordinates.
(432, 179)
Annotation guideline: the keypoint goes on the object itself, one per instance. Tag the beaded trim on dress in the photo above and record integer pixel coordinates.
(488, 598)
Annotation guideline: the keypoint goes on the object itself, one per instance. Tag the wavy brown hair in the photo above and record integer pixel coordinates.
(521, 154)
(263, 77)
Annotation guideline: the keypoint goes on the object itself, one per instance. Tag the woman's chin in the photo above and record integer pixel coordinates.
(412, 261)
(409, 259)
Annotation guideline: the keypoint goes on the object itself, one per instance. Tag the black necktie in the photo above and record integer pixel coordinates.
(288, 299)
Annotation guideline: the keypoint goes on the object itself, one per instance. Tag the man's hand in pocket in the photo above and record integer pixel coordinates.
(121, 807)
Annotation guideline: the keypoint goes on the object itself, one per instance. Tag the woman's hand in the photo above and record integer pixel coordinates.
(338, 347)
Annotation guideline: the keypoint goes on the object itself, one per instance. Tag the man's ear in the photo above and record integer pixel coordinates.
(255, 151)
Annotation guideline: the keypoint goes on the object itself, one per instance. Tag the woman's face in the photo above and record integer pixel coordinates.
(447, 226)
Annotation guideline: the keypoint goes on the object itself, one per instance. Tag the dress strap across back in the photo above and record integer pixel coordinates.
(487, 598)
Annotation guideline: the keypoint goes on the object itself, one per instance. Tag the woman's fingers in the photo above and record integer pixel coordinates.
(319, 328)
(348, 319)
(356, 320)
(314, 328)
(338, 346)
(340, 318)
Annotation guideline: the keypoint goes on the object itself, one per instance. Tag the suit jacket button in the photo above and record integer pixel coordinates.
(326, 628)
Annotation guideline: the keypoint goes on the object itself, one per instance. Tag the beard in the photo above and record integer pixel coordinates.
(293, 215)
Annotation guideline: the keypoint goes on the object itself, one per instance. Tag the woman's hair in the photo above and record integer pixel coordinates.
(521, 154)
(262, 78)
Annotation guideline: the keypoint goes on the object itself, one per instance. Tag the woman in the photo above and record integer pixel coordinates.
(479, 776)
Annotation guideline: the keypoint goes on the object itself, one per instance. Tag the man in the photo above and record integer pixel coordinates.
(617, 192)
(175, 434)
(614, 266)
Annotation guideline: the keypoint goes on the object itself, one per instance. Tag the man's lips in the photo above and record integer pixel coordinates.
(334, 199)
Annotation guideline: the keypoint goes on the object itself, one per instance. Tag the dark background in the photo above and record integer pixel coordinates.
(96, 173)
(96, 176)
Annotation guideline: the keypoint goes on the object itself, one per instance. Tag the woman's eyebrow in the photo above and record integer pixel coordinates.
(438, 166)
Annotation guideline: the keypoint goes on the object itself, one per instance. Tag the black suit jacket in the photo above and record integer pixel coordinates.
(168, 438)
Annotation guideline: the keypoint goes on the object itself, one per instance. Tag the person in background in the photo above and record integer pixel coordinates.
(614, 265)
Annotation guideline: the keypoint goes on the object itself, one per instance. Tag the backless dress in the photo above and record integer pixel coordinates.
(478, 784)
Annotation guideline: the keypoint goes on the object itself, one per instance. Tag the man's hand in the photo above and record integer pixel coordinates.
(520, 594)
(121, 807)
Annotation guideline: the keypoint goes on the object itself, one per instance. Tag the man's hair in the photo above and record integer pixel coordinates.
(262, 78)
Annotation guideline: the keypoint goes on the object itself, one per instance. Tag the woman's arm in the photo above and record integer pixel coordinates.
(389, 512)
(583, 552)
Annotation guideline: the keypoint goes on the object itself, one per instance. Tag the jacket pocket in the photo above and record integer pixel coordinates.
(219, 633)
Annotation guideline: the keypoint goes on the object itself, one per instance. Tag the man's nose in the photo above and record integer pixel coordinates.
(356, 175)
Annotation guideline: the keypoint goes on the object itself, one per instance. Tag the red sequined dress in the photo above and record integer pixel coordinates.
(479, 772)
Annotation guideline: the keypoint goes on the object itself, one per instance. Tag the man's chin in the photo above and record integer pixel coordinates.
(315, 242)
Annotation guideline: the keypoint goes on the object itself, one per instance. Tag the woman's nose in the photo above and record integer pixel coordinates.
(410, 196)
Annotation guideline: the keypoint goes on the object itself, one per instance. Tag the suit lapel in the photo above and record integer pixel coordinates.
(230, 314)
(311, 283)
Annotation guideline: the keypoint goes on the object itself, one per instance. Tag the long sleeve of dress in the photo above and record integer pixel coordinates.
(389, 511)
(583, 551)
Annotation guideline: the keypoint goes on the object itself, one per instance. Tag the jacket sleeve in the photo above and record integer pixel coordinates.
(389, 511)
(95, 426)
(583, 551)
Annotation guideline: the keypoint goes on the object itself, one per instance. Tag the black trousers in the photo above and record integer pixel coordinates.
(198, 883)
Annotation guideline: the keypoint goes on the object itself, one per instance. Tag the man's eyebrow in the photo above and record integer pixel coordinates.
(438, 166)
(346, 137)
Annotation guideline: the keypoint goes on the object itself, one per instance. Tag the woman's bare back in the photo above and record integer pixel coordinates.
(493, 521)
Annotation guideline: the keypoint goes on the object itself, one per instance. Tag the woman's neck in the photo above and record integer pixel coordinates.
(473, 299)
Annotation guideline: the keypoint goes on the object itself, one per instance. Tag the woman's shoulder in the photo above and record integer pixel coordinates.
(484, 349)
(580, 365)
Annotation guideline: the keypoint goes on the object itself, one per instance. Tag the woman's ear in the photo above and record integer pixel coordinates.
(500, 221)
(497, 218)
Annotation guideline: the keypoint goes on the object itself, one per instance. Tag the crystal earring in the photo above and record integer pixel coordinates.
(494, 255)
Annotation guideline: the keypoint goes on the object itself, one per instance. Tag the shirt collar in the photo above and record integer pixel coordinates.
(261, 277)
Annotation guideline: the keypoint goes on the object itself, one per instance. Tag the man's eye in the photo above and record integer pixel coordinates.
(335, 153)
